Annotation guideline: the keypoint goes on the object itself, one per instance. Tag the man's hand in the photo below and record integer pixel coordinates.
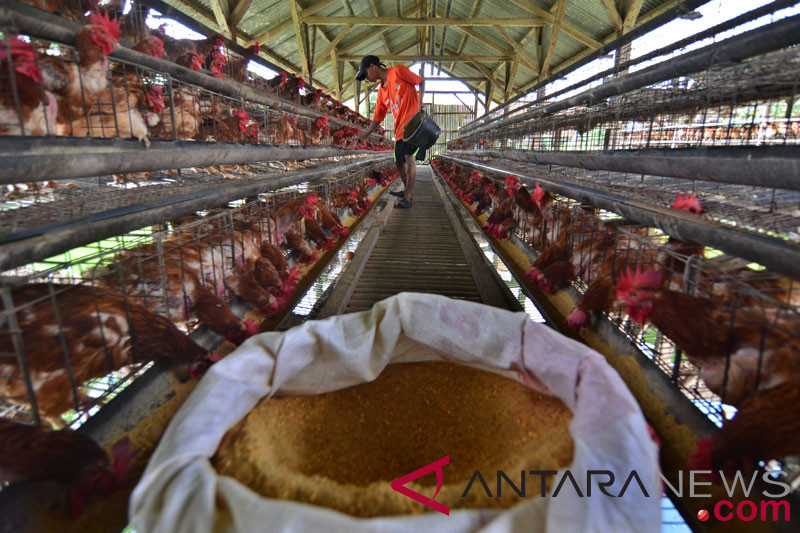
(351, 144)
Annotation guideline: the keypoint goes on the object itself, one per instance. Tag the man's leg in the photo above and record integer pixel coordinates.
(402, 167)
(411, 174)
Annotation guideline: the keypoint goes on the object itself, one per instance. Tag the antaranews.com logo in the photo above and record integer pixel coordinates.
(770, 508)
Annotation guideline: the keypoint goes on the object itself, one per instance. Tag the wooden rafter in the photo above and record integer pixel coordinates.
(512, 77)
(427, 21)
(632, 15)
(523, 41)
(653, 13)
(265, 34)
(551, 47)
(573, 32)
(299, 34)
(374, 8)
(238, 12)
(521, 54)
(429, 58)
(613, 14)
(464, 37)
(331, 47)
(337, 81)
(485, 71)
(221, 17)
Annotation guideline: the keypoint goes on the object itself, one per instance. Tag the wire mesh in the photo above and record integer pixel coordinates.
(72, 328)
(48, 88)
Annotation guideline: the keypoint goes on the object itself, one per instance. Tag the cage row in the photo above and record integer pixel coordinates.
(749, 103)
(88, 323)
(53, 89)
(725, 331)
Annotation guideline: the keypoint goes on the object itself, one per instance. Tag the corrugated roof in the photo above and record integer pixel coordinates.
(586, 17)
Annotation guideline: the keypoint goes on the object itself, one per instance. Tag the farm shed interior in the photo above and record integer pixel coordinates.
(177, 178)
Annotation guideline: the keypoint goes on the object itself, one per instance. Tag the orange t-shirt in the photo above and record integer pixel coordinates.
(400, 95)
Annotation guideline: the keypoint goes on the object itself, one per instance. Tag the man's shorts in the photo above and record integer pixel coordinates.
(402, 149)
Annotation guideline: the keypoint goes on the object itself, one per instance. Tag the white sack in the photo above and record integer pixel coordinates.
(178, 490)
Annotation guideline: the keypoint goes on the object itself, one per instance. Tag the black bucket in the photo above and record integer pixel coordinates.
(421, 131)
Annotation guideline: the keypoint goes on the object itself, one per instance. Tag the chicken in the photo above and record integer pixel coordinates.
(237, 68)
(97, 335)
(284, 133)
(189, 269)
(35, 453)
(318, 236)
(187, 120)
(151, 45)
(726, 343)
(501, 219)
(300, 248)
(274, 255)
(217, 64)
(38, 107)
(293, 212)
(320, 131)
(601, 277)
(177, 48)
(77, 87)
(766, 427)
(125, 110)
(190, 59)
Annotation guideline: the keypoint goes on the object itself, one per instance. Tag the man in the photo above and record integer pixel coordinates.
(398, 93)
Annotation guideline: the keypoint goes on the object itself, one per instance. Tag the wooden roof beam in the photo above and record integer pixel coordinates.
(653, 13)
(613, 14)
(238, 12)
(330, 48)
(429, 58)
(553, 39)
(630, 17)
(573, 32)
(520, 53)
(404, 21)
(375, 13)
(221, 17)
(265, 34)
(299, 34)
(464, 37)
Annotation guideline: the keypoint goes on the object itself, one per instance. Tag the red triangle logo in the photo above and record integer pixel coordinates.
(399, 485)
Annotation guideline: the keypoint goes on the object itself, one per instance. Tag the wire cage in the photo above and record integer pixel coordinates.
(189, 271)
(752, 314)
(711, 80)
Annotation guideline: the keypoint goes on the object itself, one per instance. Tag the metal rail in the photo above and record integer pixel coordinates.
(773, 253)
(19, 18)
(48, 241)
(769, 166)
(768, 38)
(27, 159)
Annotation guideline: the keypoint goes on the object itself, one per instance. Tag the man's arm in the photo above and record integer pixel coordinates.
(364, 134)
(421, 92)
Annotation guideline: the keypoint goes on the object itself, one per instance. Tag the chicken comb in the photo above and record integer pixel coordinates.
(311, 200)
(300, 83)
(538, 195)
(284, 77)
(475, 176)
(688, 202)
(23, 58)
(219, 40)
(155, 100)
(512, 181)
(630, 280)
(156, 46)
(111, 27)
(255, 47)
(197, 61)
